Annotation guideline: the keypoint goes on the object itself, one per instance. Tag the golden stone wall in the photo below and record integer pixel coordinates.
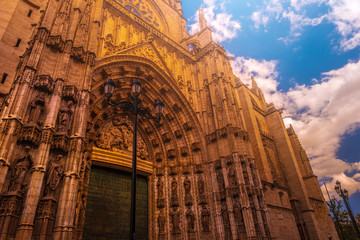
(220, 164)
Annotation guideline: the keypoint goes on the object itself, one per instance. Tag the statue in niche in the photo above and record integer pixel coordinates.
(232, 177)
(205, 218)
(190, 218)
(141, 149)
(65, 117)
(225, 214)
(220, 180)
(201, 185)
(175, 220)
(174, 189)
(19, 170)
(54, 176)
(161, 223)
(187, 186)
(237, 211)
(160, 188)
(37, 106)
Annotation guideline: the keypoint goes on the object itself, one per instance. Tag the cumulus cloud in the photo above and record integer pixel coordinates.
(223, 26)
(320, 113)
(344, 14)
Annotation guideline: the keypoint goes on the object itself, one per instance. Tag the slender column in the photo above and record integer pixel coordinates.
(133, 176)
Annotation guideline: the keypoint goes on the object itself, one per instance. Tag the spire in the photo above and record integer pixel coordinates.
(254, 85)
(202, 19)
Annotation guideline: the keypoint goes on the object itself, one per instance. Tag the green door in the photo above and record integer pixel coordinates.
(107, 213)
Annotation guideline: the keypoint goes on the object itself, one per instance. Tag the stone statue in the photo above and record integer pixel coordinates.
(225, 214)
(54, 175)
(19, 170)
(37, 105)
(65, 117)
(237, 212)
(174, 189)
(190, 220)
(160, 188)
(220, 180)
(161, 223)
(187, 186)
(232, 177)
(175, 221)
(201, 185)
(205, 219)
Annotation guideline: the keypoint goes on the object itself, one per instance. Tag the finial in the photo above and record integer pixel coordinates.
(202, 19)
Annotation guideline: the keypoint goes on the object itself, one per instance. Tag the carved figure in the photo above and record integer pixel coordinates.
(54, 175)
(65, 117)
(37, 105)
(160, 188)
(18, 173)
(175, 221)
(232, 177)
(220, 180)
(161, 223)
(225, 214)
(174, 189)
(201, 185)
(237, 212)
(190, 220)
(187, 186)
(205, 218)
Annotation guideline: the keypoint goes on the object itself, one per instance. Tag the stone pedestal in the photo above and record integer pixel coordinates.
(45, 217)
(9, 214)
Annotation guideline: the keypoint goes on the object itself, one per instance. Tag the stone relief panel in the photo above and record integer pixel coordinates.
(117, 135)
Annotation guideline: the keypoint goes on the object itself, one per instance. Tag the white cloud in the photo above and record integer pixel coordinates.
(344, 14)
(320, 113)
(221, 22)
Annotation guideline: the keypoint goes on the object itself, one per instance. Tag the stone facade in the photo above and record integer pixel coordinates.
(220, 164)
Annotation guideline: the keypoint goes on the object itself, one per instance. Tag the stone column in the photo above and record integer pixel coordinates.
(64, 223)
(41, 161)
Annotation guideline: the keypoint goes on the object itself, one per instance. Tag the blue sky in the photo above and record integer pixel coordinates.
(304, 54)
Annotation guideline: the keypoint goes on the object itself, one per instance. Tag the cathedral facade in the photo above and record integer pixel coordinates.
(219, 165)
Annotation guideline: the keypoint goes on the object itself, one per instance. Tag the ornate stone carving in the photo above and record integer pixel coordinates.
(225, 214)
(64, 118)
(195, 147)
(159, 157)
(78, 53)
(184, 151)
(19, 170)
(205, 219)
(37, 106)
(238, 212)
(117, 135)
(190, 218)
(166, 137)
(30, 134)
(56, 42)
(60, 142)
(54, 176)
(171, 153)
(70, 92)
(44, 83)
(178, 134)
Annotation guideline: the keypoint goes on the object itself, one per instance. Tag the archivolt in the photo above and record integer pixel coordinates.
(178, 139)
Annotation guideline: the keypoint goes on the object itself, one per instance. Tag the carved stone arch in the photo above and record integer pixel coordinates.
(158, 84)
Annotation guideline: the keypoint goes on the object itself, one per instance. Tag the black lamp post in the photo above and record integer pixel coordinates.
(345, 195)
(134, 105)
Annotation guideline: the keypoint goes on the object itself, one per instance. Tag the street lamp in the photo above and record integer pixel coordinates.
(134, 105)
(345, 195)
